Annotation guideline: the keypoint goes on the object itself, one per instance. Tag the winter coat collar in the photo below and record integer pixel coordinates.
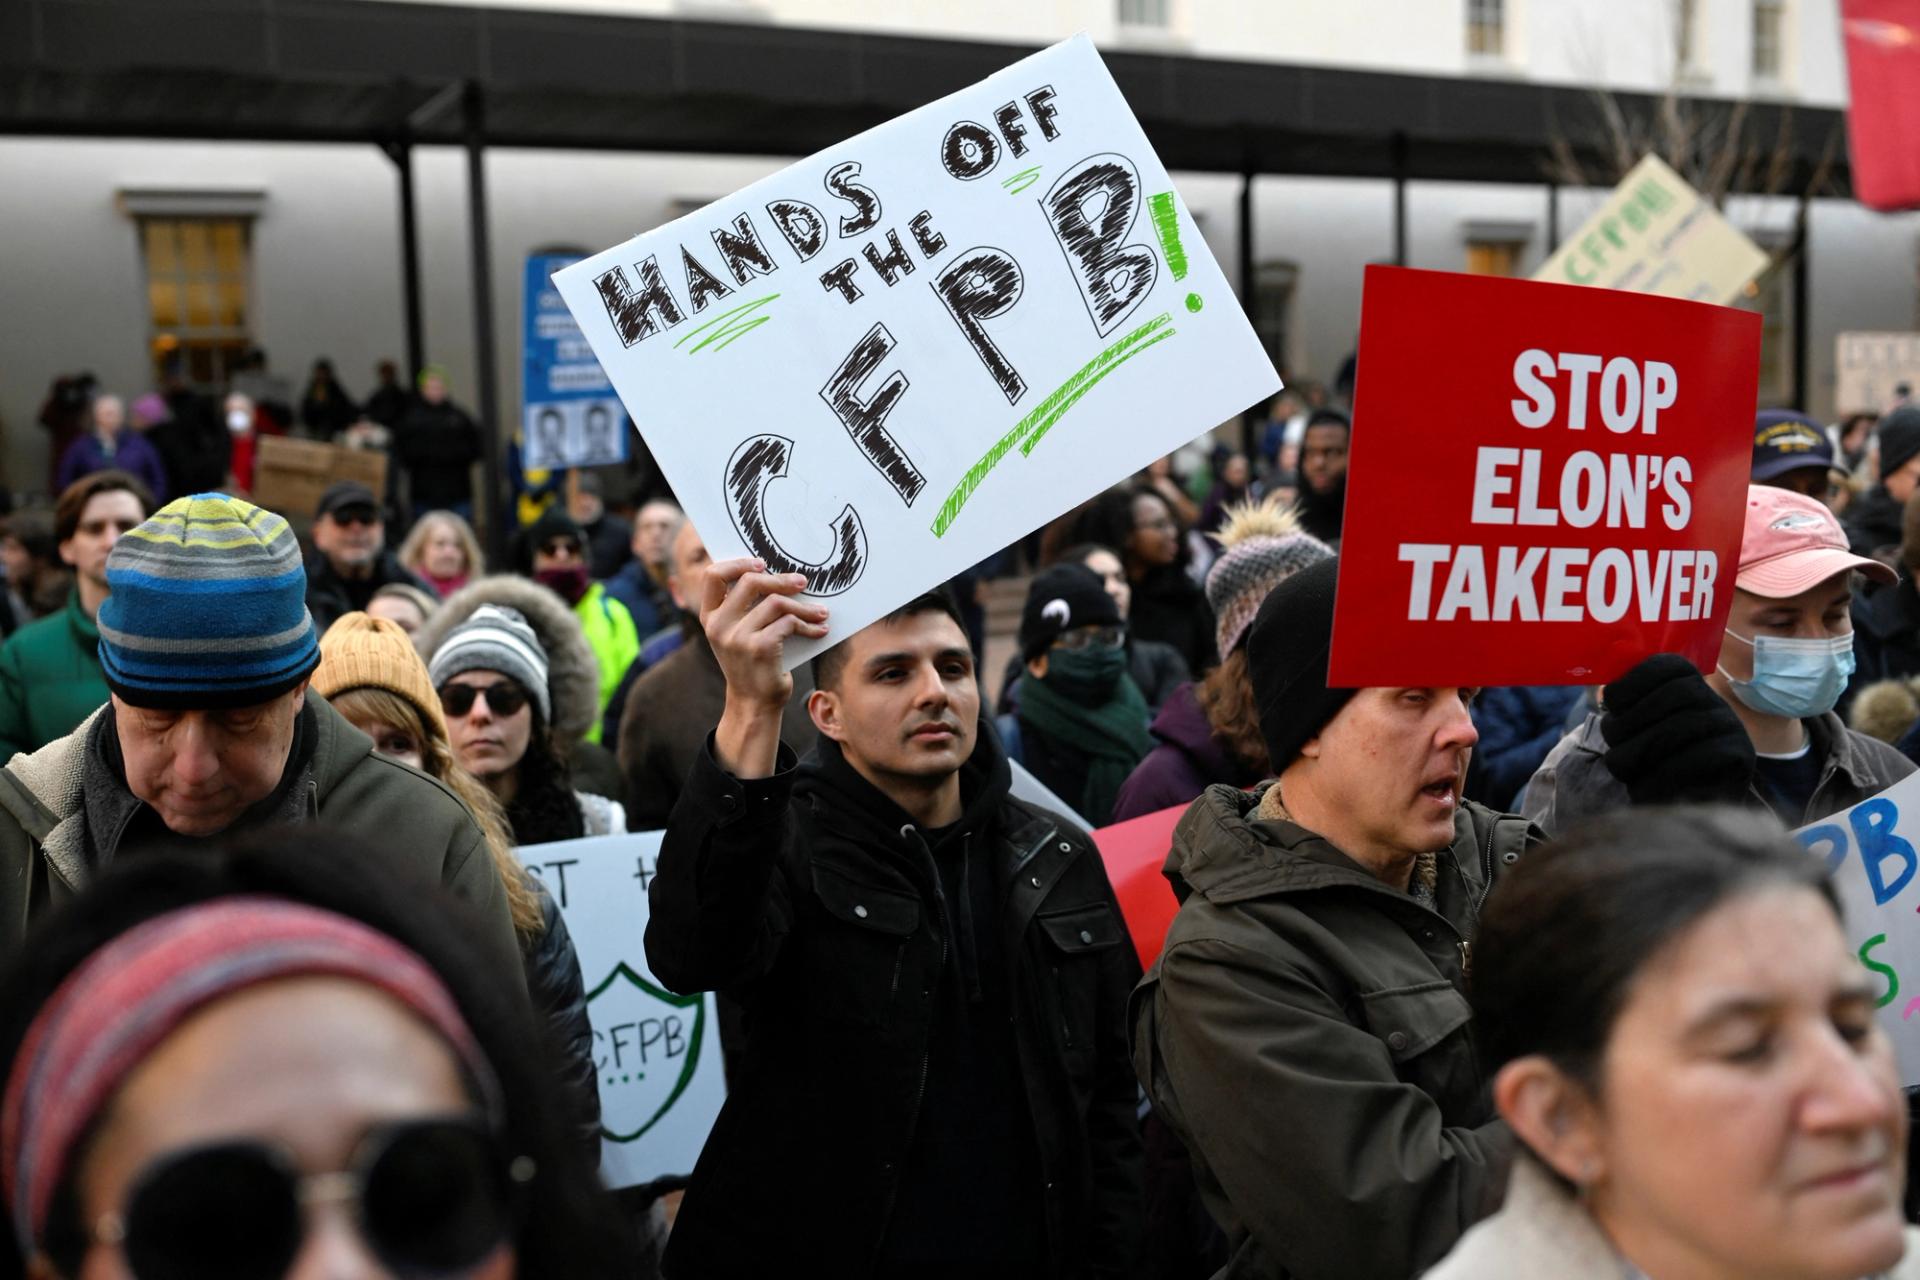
(1183, 725)
(1224, 850)
(1542, 1230)
(829, 781)
(44, 790)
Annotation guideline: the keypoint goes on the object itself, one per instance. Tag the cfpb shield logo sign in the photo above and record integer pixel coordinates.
(647, 1043)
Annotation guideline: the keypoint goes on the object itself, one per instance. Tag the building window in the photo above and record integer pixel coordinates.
(1494, 257)
(1772, 296)
(1145, 13)
(1686, 17)
(197, 290)
(1274, 284)
(1769, 33)
(1487, 28)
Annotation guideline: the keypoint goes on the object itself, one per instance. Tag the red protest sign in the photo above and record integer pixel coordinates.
(1135, 851)
(1883, 100)
(1546, 483)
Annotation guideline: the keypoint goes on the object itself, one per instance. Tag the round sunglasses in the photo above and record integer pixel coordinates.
(503, 698)
(430, 1198)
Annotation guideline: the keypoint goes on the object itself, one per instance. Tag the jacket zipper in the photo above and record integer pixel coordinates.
(926, 1052)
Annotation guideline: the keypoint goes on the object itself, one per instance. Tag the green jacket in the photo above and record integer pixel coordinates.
(50, 679)
(615, 642)
(367, 799)
(1306, 1032)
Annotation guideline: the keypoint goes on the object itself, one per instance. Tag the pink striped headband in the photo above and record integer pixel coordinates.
(128, 996)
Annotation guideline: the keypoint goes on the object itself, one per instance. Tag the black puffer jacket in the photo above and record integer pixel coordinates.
(559, 996)
(878, 1122)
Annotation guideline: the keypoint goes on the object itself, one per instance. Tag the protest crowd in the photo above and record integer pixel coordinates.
(1479, 983)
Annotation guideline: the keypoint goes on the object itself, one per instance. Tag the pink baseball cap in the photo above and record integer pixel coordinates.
(1792, 543)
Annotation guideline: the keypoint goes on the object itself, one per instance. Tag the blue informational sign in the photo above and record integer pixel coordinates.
(570, 416)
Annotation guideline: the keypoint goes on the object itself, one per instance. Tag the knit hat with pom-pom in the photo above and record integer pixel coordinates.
(1262, 545)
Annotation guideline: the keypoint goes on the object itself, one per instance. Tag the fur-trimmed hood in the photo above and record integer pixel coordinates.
(573, 673)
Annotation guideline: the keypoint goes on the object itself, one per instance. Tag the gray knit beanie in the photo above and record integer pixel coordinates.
(1262, 546)
(495, 638)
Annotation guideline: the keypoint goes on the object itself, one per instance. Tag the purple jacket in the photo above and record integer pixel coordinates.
(131, 454)
(1187, 760)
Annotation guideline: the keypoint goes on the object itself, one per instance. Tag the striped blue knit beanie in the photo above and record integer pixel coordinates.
(208, 608)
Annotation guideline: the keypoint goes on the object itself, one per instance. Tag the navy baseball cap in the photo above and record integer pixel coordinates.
(1786, 441)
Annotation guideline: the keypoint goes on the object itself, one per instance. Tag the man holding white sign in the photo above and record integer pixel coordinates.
(934, 974)
(1760, 730)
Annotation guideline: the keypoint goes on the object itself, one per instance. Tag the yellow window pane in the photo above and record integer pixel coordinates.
(230, 250)
(163, 298)
(162, 259)
(233, 304)
(196, 249)
(200, 303)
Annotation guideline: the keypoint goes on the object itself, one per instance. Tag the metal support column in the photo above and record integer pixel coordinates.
(488, 400)
(400, 151)
(1802, 318)
(1248, 288)
(1399, 199)
(1553, 218)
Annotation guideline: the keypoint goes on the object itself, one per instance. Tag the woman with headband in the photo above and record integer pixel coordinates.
(277, 1063)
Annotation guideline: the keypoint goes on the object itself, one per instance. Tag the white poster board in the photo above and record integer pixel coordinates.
(1873, 850)
(1655, 234)
(889, 360)
(658, 1054)
(1869, 368)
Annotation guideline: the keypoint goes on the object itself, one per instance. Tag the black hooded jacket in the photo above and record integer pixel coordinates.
(935, 1076)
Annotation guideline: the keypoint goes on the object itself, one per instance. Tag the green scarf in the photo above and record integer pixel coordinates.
(1113, 736)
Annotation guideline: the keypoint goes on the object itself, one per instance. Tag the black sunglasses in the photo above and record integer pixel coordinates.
(503, 698)
(355, 515)
(430, 1198)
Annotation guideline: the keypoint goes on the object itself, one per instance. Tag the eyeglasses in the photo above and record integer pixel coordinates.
(355, 515)
(560, 547)
(430, 1198)
(503, 698)
(1092, 637)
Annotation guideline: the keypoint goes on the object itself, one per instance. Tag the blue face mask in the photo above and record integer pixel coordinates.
(1796, 679)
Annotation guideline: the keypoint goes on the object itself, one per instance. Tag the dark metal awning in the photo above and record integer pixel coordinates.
(354, 70)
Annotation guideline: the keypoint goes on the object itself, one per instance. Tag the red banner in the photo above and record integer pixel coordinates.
(1883, 92)
(1546, 483)
(1134, 852)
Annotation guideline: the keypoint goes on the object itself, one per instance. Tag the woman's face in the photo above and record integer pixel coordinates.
(1155, 539)
(442, 555)
(395, 744)
(307, 1065)
(486, 742)
(1750, 1120)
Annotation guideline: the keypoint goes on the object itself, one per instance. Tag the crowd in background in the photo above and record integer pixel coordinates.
(1436, 948)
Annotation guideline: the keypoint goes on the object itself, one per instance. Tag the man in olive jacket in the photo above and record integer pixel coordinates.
(1306, 1030)
(207, 648)
(934, 975)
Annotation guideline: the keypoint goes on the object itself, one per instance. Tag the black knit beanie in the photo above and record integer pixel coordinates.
(1287, 649)
(1899, 434)
(1060, 599)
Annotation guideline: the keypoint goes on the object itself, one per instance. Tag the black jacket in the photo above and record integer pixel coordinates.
(559, 997)
(845, 939)
(1873, 523)
(438, 444)
(329, 595)
(1168, 608)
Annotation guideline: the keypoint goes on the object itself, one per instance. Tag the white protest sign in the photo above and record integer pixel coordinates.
(1873, 850)
(1870, 367)
(1655, 234)
(657, 1054)
(891, 359)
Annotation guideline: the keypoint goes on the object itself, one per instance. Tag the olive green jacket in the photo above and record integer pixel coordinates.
(369, 800)
(1306, 1032)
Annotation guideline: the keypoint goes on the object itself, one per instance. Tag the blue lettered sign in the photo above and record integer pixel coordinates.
(570, 416)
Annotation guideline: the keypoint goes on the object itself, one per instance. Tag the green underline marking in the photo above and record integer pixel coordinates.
(1018, 182)
(730, 328)
(1050, 411)
(1166, 224)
